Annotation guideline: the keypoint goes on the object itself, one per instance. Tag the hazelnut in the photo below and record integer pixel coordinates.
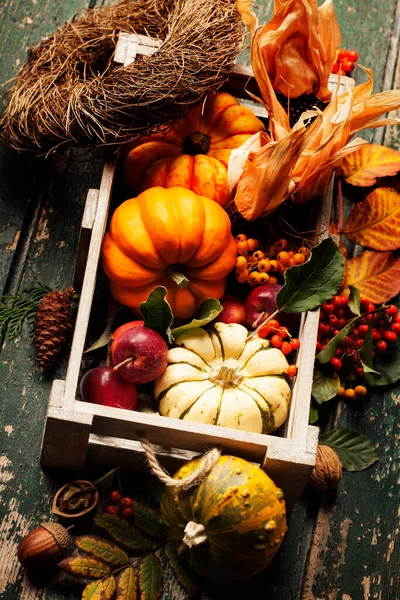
(44, 546)
(327, 472)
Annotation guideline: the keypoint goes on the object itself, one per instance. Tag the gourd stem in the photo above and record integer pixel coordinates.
(179, 278)
(195, 534)
(196, 143)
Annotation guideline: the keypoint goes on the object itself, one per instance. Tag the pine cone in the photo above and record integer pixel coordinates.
(53, 324)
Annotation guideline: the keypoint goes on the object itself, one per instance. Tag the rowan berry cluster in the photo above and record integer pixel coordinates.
(345, 61)
(258, 267)
(280, 337)
(384, 325)
(120, 506)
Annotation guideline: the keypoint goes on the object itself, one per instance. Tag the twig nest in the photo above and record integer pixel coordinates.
(327, 472)
(44, 546)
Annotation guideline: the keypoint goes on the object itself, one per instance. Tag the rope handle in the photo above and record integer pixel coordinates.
(208, 461)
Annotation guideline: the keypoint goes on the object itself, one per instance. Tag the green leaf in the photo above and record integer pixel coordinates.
(184, 575)
(148, 521)
(354, 449)
(313, 415)
(150, 578)
(99, 548)
(100, 590)
(105, 337)
(354, 300)
(208, 311)
(388, 365)
(106, 481)
(366, 357)
(119, 530)
(329, 351)
(127, 585)
(85, 566)
(157, 313)
(316, 281)
(325, 386)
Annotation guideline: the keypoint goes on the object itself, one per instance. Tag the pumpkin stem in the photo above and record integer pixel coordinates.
(196, 143)
(179, 278)
(195, 534)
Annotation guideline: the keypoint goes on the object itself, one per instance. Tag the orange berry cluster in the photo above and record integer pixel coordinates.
(345, 61)
(256, 267)
(120, 506)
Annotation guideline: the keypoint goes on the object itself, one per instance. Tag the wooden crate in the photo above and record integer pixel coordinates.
(77, 432)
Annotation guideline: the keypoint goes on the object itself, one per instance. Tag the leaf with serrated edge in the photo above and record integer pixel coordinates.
(208, 311)
(375, 274)
(362, 167)
(100, 590)
(354, 450)
(184, 575)
(150, 578)
(157, 313)
(102, 549)
(375, 222)
(316, 281)
(325, 387)
(329, 351)
(354, 300)
(85, 566)
(119, 530)
(127, 585)
(148, 521)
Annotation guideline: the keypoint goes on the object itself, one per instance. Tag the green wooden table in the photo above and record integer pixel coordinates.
(338, 547)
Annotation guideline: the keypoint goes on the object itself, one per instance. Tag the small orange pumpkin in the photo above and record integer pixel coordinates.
(164, 233)
(195, 153)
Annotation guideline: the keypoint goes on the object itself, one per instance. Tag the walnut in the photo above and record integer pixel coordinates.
(327, 472)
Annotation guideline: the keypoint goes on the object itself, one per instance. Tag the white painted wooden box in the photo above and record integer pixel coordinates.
(77, 432)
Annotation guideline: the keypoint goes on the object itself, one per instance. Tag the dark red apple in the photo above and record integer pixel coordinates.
(103, 385)
(140, 355)
(232, 311)
(120, 330)
(260, 303)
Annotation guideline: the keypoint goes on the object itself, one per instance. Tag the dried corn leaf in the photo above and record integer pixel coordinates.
(375, 275)
(362, 167)
(375, 222)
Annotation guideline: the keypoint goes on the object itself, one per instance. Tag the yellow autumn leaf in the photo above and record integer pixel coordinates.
(375, 275)
(100, 590)
(363, 166)
(375, 222)
(127, 585)
(85, 566)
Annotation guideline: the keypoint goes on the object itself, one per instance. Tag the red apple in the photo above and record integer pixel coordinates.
(233, 310)
(140, 355)
(260, 301)
(120, 330)
(103, 385)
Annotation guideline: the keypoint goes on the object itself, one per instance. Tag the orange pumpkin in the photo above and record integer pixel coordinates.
(163, 233)
(195, 153)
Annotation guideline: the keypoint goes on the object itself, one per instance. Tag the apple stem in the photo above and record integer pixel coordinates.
(124, 362)
(272, 316)
(257, 321)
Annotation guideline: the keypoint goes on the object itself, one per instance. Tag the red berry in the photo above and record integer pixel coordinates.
(376, 336)
(112, 510)
(397, 319)
(333, 320)
(363, 330)
(348, 66)
(336, 67)
(264, 331)
(381, 346)
(115, 497)
(342, 54)
(283, 332)
(352, 55)
(336, 331)
(327, 308)
(337, 301)
(360, 371)
(341, 391)
(292, 370)
(126, 503)
(344, 300)
(396, 328)
(389, 336)
(338, 353)
(349, 393)
(286, 348)
(127, 513)
(324, 328)
(295, 343)
(339, 313)
(359, 343)
(336, 364)
(318, 347)
(276, 341)
(392, 310)
(341, 323)
(370, 307)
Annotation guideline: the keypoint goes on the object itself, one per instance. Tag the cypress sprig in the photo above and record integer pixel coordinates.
(17, 308)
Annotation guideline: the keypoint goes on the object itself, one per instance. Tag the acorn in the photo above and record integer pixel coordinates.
(44, 546)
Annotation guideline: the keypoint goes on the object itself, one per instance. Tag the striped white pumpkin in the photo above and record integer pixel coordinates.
(216, 376)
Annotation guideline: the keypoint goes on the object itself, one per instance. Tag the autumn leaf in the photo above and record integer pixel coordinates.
(363, 166)
(148, 521)
(186, 577)
(85, 566)
(375, 274)
(122, 533)
(100, 590)
(102, 549)
(375, 222)
(150, 578)
(127, 585)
